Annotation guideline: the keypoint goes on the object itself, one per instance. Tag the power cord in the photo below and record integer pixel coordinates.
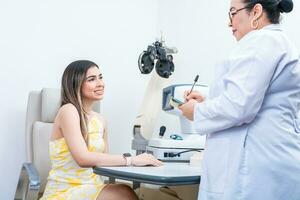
(179, 153)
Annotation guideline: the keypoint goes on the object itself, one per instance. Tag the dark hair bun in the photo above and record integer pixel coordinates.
(286, 6)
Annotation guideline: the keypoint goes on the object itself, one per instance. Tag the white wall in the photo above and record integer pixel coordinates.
(39, 38)
(199, 31)
(37, 41)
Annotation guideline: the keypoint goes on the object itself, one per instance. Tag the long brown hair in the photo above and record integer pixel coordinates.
(71, 84)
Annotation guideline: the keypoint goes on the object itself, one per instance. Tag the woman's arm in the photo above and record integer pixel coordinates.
(70, 126)
(243, 87)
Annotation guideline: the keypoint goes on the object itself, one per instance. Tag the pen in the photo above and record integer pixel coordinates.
(195, 81)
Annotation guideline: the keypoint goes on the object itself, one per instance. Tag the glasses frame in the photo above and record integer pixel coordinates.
(231, 13)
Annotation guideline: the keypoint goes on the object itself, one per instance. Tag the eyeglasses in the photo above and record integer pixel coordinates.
(232, 12)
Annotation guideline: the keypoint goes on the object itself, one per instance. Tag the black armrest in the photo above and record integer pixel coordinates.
(28, 184)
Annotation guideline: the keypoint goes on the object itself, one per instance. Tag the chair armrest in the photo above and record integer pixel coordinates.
(28, 184)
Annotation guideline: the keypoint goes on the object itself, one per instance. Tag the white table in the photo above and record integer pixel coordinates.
(170, 174)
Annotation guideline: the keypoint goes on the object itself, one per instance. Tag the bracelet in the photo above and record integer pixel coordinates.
(128, 161)
(127, 157)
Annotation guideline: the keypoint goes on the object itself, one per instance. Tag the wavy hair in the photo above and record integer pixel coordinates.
(71, 84)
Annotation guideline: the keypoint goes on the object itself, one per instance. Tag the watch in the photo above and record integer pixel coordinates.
(127, 157)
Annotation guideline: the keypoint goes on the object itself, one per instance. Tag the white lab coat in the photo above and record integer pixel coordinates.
(250, 118)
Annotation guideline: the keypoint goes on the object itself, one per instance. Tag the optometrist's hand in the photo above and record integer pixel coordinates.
(188, 109)
(193, 95)
(145, 159)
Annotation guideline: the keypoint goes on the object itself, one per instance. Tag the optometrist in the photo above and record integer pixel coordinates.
(250, 116)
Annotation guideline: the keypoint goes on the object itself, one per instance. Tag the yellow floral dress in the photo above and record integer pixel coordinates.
(67, 180)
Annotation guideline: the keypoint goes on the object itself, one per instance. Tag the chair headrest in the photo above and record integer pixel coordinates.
(50, 104)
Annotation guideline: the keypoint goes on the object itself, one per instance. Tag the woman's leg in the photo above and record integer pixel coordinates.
(117, 192)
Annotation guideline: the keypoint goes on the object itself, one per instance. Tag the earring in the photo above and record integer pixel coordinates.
(254, 24)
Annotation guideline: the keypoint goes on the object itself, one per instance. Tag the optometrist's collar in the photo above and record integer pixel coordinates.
(273, 27)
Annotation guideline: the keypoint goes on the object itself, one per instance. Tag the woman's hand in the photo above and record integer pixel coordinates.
(193, 95)
(145, 159)
(188, 109)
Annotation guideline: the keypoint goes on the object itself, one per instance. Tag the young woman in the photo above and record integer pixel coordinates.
(250, 116)
(79, 141)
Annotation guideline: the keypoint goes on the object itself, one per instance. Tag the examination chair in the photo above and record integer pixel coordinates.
(42, 107)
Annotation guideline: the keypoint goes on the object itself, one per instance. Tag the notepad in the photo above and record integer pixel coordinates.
(175, 102)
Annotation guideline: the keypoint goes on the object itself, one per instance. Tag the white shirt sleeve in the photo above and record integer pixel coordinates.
(251, 68)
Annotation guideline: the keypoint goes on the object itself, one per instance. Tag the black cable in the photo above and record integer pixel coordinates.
(177, 154)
